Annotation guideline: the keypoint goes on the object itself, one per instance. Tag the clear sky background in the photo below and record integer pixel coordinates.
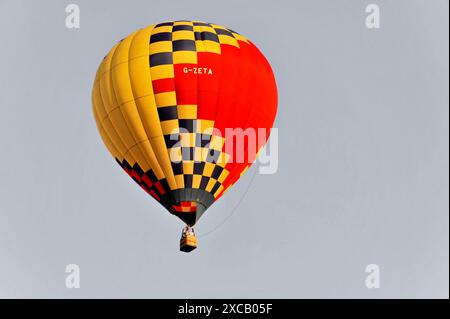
(363, 159)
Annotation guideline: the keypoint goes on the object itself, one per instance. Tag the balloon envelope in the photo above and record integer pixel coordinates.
(163, 98)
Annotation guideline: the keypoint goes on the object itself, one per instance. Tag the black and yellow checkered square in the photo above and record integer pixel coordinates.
(198, 155)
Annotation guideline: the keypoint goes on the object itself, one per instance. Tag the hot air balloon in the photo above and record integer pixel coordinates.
(163, 98)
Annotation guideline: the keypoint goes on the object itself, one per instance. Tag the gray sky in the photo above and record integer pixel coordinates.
(363, 159)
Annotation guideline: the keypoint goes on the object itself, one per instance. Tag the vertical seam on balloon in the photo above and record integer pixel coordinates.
(251, 115)
(198, 92)
(216, 100)
(137, 154)
(156, 166)
(159, 123)
(149, 138)
(234, 173)
(115, 152)
(135, 99)
(99, 123)
(112, 140)
(108, 79)
(176, 103)
(102, 99)
(219, 81)
(198, 96)
(124, 116)
(178, 118)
